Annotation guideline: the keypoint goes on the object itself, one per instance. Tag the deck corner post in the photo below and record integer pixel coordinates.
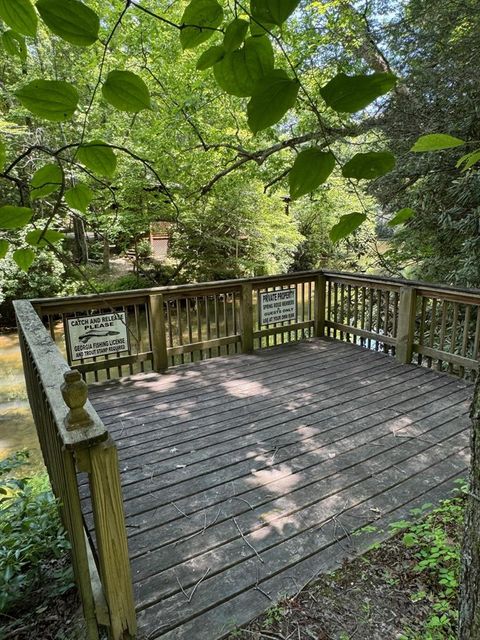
(406, 325)
(111, 538)
(246, 315)
(158, 336)
(319, 305)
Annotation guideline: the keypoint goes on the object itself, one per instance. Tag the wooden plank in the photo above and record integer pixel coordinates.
(228, 471)
(228, 556)
(319, 305)
(366, 442)
(217, 621)
(284, 555)
(101, 365)
(272, 331)
(331, 380)
(467, 363)
(245, 403)
(202, 346)
(362, 333)
(107, 505)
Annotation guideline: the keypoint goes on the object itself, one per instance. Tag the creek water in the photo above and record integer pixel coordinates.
(17, 430)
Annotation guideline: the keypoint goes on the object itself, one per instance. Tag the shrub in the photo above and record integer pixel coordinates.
(31, 536)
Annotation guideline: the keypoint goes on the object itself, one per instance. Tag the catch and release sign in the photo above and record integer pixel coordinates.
(99, 335)
(278, 306)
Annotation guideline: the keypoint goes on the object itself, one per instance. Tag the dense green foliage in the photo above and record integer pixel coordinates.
(31, 536)
(118, 115)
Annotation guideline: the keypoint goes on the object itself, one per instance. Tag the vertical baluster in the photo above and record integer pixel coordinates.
(378, 321)
(433, 323)
(370, 315)
(335, 308)
(421, 333)
(188, 319)
(386, 319)
(329, 307)
(225, 319)
(169, 328)
(178, 314)
(476, 340)
(236, 318)
(259, 319)
(342, 311)
(453, 341)
(355, 313)
(349, 293)
(199, 324)
(362, 314)
(207, 322)
(465, 337)
(443, 327)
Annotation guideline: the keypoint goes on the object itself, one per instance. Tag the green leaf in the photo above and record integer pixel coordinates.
(46, 180)
(14, 44)
(72, 20)
(274, 95)
(346, 225)
(4, 244)
(401, 216)
(347, 94)
(369, 165)
(79, 197)
(24, 258)
(272, 11)
(235, 34)
(126, 91)
(436, 142)
(469, 160)
(54, 100)
(410, 539)
(257, 29)
(210, 57)
(39, 238)
(239, 71)
(14, 217)
(20, 16)
(98, 157)
(199, 22)
(3, 154)
(310, 169)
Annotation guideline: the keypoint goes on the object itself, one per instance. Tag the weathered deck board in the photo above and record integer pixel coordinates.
(251, 470)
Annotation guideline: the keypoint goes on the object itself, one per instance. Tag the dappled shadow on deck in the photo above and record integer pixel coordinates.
(245, 476)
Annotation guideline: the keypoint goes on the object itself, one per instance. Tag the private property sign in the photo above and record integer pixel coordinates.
(278, 306)
(90, 336)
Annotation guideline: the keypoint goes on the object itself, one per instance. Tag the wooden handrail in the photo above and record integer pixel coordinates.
(72, 437)
(376, 318)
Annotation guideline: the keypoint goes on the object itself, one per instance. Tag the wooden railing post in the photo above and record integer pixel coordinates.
(246, 317)
(109, 519)
(158, 335)
(319, 305)
(406, 325)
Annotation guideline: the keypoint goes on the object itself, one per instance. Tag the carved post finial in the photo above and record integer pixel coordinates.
(75, 394)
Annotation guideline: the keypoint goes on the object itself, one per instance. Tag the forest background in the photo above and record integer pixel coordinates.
(191, 159)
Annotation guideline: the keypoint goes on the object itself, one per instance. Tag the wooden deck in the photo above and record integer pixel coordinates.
(244, 476)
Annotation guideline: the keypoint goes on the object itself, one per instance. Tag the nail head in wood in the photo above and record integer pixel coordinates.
(75, 394)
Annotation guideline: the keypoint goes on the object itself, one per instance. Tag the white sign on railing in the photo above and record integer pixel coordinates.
(278, 306)
(90, 336)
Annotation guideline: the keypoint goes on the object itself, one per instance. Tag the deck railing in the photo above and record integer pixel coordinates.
(74, 442)
(430, 325)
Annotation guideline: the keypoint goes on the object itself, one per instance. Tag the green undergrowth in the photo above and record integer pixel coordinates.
(34, 566)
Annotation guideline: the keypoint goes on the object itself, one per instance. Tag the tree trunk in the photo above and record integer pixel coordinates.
(469, 620)
(81, 246)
